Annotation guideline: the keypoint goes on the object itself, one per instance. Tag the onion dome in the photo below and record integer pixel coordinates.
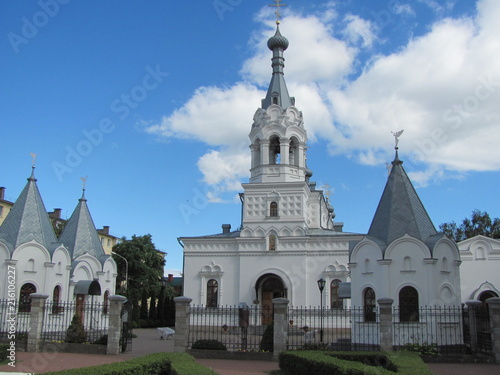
(277, 41)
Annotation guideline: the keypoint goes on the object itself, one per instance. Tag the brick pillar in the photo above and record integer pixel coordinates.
(472, 306)
(280, 306)
(182, 305)
(115, 324)
(36, 321)
(494, 308)
(386, 343)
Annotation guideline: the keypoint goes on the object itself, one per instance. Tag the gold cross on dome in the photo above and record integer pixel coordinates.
(84, 181)
(328, 191)
(33, 158)
(277, 4)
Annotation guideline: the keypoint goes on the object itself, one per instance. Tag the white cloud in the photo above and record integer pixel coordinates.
(214, 115)
(442, 89)
(358, 30)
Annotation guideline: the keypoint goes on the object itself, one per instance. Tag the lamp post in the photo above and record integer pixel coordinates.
(126, 268)
(321, 286)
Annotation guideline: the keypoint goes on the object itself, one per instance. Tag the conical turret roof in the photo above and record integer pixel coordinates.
(400, 210)
(28, 220)
(80, 235)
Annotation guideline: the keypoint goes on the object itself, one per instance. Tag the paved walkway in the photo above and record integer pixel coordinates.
(147, 342)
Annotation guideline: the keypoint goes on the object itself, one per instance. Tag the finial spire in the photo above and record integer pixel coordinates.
(33, 157)
(84, 183)
(396, 141)
(277, 4)
(396, 138)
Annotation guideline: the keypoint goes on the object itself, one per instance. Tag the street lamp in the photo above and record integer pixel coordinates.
(126, 268)
(321, 286)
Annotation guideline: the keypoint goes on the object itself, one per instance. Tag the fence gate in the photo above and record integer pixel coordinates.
(477, 330)
(126, 334)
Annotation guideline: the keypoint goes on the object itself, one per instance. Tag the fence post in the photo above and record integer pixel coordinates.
(182, 305)
(471, 308)
(115, 324)
(280, 306)
(494, 310)
(36, 321)
(386, 337)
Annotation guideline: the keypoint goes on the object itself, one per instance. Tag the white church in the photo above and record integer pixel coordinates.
(289, 239)
(70, 268)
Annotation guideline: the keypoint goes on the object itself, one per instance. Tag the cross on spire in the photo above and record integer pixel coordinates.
(277, 4)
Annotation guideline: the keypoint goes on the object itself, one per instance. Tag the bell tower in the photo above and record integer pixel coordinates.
(278, 137)
(279, 198)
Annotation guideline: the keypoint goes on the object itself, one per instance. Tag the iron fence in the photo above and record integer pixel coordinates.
(430, 329)
(237, 328)
(58, 316)
(12, 322)
(335, 329)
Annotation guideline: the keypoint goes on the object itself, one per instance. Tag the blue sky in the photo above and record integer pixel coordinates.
(153, 101)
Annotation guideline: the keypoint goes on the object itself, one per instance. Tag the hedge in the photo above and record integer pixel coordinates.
(4, 352)
(152, 364)
(352, 363)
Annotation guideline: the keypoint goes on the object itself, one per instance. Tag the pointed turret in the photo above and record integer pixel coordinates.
(277, 92)
(400, 210)
(80, 235)
(28, 220)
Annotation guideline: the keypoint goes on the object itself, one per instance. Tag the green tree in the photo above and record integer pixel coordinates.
(480, 223)
(145, 268)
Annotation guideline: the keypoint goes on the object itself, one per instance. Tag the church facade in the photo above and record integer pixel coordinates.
(69, 268)
(289, 240)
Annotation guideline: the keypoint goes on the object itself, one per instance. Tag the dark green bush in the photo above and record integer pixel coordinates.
(4, 352)
(76, 332)
(208, 345)
(103, 340)
(153, 364)
(267, 342)
(320, 362)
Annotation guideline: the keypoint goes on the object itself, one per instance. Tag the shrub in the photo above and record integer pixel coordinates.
(208, 345)
(319, 363)
(153, 364)
(267, 342)
(103, 340)
(4, 352)
(76, 332)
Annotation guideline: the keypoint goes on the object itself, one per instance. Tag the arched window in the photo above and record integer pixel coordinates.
(408, 304)
(368, 267)
(274, 151)
(273, 209)
(294, 156)
(272, 242)
(407, 263)
(31, 265)
(369, 305)
(335, 300)
(445, 264)
(212, 293)
(24, 297)
(56, 300)
(105, 306)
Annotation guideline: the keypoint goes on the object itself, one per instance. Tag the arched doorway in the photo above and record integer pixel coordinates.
(269, 286)
(485, 295)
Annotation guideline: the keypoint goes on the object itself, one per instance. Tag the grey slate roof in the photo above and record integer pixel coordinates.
(28, 220)
(80, 236)
(400, 210)
(277, 86)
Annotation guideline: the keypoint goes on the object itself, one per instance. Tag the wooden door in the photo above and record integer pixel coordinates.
(267, 307)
